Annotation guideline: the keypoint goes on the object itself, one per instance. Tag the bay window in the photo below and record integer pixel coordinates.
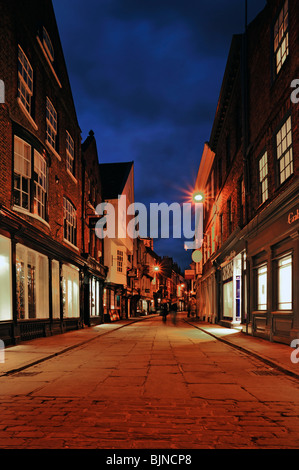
(30, 179)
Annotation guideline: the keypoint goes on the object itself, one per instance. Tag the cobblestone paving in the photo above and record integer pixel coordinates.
(150, 386)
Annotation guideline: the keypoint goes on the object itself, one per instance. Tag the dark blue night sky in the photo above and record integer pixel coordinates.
(146, 77)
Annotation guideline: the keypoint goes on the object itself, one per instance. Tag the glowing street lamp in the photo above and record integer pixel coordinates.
(198, 197)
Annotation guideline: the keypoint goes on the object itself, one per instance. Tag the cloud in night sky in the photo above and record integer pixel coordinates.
(146, 77)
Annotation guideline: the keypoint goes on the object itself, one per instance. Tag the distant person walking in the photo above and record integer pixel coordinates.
(174, 310)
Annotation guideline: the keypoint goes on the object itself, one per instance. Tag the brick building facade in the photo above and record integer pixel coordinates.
(249, 270)
(41, 244)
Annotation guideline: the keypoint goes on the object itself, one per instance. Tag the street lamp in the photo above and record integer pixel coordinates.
(198, 197)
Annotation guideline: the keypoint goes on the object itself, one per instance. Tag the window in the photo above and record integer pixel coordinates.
(31, 199)
(48, 45)
(263, 178)
(281, 37)
(285, 283)
(22, 173)
(70, 222)
(70, 153)
(51, 124)
(70, 291)
(5, 279)
(284, 151)
(120, 259)
(55, 289)
(40, 185)
(32, 284)
(25, 81)
(262, 288)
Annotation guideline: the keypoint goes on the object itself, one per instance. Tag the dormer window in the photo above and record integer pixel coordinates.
(48, 46)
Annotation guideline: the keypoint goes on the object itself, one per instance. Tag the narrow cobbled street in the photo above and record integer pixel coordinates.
(150, 385)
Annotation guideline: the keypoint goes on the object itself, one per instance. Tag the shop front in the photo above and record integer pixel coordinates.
(40, 284)
(231, 295)
(274, 271)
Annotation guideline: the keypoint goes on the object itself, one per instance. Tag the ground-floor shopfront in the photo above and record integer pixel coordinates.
(41, 284)
(273, 259)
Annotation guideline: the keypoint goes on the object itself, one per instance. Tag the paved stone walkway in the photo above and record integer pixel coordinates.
(150, 385)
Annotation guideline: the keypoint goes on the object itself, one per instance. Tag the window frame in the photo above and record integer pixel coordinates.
(258, 268)
(280, 258)
(25, 91)
(69, 222)
(280, 42)
(120, 261)
(283, 153)
(47, 44)
(263, 177)
(70, 153)
(51, 124)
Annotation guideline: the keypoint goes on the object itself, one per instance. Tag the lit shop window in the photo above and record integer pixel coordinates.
(262, 288)
(48, 45)
(55, 289)
(25, 81)
(120, 260)
(51, 124)
(5, 279)
(22, 173)
(263, 174)
(70, 222)
(70, 292)
(94, 297)
(32, 281)
(285, 151)
(281, 37)
(70, 155)
(40, 185)
(285, 283)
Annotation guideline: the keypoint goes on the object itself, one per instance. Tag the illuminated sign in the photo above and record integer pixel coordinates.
(293, 216)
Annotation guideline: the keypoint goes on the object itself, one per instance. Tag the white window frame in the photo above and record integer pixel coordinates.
(281, 37)
(263, 177)
(48, 46)
(70, 222)
(40, 185)
(25, 81)
(120, 261)
(261, 271)
(51, 124)
(70, 153)
(284, 150)
(22, 170)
